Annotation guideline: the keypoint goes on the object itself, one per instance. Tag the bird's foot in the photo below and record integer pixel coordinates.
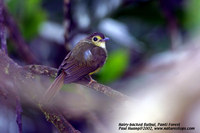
(92, 81)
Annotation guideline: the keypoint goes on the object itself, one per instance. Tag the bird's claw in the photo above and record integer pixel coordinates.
(92, 81)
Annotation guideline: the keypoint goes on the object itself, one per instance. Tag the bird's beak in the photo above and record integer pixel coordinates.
(105, 39)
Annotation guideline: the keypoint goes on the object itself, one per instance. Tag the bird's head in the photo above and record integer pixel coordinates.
(98, 39)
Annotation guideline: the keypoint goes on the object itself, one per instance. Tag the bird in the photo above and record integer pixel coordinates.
(85, 59)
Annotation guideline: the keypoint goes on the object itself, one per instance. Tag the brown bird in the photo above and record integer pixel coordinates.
(86, 58)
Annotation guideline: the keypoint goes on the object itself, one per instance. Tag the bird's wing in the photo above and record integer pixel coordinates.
(76, 68)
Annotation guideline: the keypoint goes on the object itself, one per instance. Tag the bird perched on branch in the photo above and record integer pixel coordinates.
(86, 58)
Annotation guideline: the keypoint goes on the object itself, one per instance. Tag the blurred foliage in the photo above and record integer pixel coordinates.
(147, 23)
(28, 14)
(192, 17)
(55, 10)
(115, 66)
(148, 11)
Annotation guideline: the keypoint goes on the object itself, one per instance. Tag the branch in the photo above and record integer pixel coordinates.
(41, 70)
(22, 47)
(15, 80)
(3, 93)
(108, 91)
(51, 72)
(19, 114)
(59, 121)
(4, 49)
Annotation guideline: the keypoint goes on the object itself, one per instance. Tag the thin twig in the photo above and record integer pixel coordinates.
(2, 29)
(19, 114)
(22, 47)
(70, 24)
(67, 13)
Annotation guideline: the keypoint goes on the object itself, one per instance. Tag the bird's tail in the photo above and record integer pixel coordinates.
(53, 88)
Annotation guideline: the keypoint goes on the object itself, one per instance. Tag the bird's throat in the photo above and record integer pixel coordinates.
(102, 45)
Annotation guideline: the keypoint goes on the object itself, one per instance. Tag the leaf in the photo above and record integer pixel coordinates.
(115, 66)
(192, 16)
(28, 14)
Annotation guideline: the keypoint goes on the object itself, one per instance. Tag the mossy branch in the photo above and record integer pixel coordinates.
(58, 119)
(51, 72)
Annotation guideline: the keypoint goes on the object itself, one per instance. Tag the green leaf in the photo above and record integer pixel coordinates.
(28, 14)
(115, 66)
(192, 16)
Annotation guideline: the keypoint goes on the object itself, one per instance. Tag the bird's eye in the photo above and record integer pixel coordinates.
(95, 39)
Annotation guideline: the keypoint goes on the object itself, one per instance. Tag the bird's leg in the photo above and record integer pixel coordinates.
(91, 80)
